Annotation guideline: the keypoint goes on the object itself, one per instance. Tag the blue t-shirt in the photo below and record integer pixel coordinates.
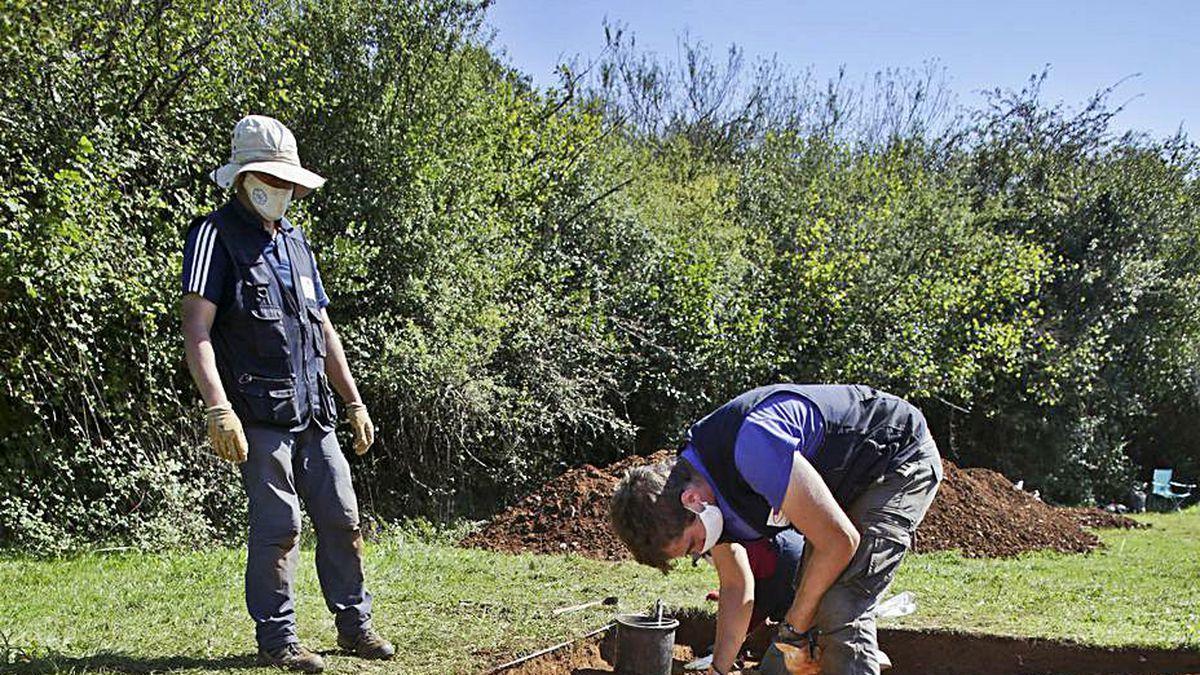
(773, 431)
(207, 269)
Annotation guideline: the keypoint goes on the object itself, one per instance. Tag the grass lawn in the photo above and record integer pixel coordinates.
(1141, 590)
(455, 611)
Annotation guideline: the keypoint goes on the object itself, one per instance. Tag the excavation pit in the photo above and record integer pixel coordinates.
(912, 653)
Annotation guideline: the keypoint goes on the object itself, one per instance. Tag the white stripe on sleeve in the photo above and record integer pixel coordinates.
(191, 281)
(209, 238)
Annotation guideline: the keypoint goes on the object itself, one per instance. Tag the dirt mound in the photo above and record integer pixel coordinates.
(982, 514)
(567, 514)
(1100, 519)
(977, 511)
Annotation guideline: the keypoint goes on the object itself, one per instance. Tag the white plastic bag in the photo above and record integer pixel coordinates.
(898, 605)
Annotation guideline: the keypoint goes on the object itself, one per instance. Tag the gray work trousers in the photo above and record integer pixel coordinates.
(283, 469)
(886, 515)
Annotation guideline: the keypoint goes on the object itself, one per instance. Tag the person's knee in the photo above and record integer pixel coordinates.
(281, 531)
(281, 542)
(336, 517)
(337, 525)
(848, 645)
(848, 657)
(335, 509)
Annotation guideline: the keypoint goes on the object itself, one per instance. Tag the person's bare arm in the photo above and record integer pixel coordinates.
(336, 366)
(735, 605)
(827, 530)
(197, 315)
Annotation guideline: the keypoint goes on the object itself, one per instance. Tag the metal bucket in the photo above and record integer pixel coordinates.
(644, 644)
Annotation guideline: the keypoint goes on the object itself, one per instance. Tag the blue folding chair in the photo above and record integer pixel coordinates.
(1162, 487)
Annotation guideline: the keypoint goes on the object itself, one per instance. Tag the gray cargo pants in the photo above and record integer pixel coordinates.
(886, 515)
(283, 469)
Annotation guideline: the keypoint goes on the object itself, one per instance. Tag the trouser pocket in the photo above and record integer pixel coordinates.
(880, 558)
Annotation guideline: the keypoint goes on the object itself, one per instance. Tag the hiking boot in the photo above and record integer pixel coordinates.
(367, 644)
(292, 656)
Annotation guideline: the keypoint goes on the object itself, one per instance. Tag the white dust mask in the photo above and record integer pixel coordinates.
(270, 202)
(714, 523)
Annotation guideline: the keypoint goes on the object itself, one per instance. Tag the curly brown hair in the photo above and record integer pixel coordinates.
(646, 512)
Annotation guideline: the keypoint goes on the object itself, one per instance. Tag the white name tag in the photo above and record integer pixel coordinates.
(306, 285)
(777, 519)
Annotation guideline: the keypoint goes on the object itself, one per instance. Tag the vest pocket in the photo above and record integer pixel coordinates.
(270, 335)
(328, 408)
(256, 286)
(271, 400)
(317, 324)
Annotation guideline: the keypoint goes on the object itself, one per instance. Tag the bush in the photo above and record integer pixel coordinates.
(526, 280)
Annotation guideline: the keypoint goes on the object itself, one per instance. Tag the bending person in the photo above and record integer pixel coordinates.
(851, 468)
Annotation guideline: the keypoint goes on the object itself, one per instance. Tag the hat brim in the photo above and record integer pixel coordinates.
(306, 181)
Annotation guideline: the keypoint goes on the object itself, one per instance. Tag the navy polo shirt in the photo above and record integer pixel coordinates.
(207, 269)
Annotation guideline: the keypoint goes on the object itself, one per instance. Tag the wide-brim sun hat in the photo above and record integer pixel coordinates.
(264, 144)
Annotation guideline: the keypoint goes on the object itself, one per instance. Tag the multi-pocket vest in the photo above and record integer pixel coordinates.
(269, 341)
(867, 434)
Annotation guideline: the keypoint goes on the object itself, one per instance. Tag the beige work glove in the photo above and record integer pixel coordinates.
(800, 660)
(787, 659)
(360, 424)
(225, 433)
(791, 653)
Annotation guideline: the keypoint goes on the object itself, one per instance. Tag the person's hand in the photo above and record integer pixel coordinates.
(361, 425)
(792, 654)
(800, 660)
(225, 433)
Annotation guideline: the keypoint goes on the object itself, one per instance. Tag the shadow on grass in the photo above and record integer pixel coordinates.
(117, 662)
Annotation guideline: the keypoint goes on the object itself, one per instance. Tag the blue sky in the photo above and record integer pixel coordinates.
(981, 45)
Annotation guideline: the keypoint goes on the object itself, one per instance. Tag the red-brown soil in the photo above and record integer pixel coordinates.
(911, 653)
(567, 514)
(582, 658)
(1103, 520)
(586, 658)
(981, 513)
(977, 511)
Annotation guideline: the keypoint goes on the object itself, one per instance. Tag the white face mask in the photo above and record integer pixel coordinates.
(270, 202)
(714, 523)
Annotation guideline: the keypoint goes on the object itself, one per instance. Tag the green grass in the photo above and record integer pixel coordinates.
(1140, 590)
(449, 610)
(452, 610)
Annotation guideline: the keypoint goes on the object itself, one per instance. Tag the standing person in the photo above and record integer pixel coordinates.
(853, 469)
(266, 358)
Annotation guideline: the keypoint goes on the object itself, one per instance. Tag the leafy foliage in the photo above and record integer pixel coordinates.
(526, 280)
